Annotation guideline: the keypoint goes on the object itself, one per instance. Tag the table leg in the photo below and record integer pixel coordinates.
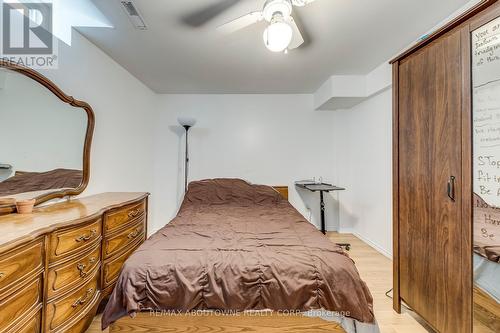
(322, 203)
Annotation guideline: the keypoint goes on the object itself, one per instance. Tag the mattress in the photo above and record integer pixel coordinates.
(239, 247)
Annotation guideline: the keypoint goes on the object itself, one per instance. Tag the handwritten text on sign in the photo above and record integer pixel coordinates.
(486, 112)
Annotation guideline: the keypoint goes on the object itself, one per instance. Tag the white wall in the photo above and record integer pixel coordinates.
(266, 139)
(138, 145)
(363, 148)
(364, 164)
(269, 139)
(122, 148)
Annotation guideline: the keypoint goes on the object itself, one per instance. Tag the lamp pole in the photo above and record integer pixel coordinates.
(187, 123)
(186, 161)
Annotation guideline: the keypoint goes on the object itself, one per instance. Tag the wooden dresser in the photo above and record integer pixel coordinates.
(59, 263)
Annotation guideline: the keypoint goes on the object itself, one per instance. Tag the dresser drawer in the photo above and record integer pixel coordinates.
(20, 264)
(119, 241)
(33, 325)
(112, 267)
(64, 309)
(80, 325)
(69, 241)
(17, 306)
(73, 273)
(118, 217)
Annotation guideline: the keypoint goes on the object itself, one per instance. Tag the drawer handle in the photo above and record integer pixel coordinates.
(134, 213)
(84, 238)
(82, 300)
(134, 233)
(81, 267)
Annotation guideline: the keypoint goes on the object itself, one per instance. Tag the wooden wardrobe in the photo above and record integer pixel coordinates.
(433, 174)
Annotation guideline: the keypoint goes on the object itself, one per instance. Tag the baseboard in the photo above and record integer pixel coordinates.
(375, 246)
(345, 231)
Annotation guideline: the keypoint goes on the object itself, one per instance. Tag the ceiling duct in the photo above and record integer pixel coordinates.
(134, 16)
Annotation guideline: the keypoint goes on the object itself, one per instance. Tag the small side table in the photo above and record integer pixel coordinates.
(321, 188)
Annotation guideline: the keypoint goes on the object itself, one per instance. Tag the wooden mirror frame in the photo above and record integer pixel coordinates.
(34, 75)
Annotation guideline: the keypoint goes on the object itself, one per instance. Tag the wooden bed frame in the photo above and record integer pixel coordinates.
(283, 190)
(271, 323)
(187, 323)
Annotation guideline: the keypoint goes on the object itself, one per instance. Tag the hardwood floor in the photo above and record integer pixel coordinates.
(376, 271)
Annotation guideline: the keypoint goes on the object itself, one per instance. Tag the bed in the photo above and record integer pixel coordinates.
(486, 264)
(23, 182)
(238, 248)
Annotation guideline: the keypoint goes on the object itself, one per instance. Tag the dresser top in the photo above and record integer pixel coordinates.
(16, 228)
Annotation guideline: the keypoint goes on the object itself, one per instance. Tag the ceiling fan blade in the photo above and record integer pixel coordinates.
(297, 39)
(202, 16)
(301, 3)
(240, 23)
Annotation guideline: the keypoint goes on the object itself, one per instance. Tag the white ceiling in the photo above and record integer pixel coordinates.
(346, 37)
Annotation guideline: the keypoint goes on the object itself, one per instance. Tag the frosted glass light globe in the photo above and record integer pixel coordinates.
(186, 121)
(277, 36)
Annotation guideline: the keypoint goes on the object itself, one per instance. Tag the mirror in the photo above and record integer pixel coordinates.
(44, 139)
(486, 175)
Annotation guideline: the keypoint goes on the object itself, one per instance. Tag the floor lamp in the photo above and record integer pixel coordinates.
(187, 123)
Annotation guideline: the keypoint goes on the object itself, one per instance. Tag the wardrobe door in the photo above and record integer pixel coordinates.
(430, 176)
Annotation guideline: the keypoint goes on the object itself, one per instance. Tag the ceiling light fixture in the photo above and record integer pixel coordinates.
(282, 34)
(278, 35)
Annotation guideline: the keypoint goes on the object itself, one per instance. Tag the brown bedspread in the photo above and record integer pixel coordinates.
(39, 181)
(486, 229)
(236, 246)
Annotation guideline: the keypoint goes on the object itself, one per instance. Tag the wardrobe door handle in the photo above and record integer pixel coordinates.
(451, 188)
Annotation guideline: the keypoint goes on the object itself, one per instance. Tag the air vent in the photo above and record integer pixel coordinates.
(134, 15)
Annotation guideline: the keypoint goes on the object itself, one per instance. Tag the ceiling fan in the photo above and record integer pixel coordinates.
(282, 33)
